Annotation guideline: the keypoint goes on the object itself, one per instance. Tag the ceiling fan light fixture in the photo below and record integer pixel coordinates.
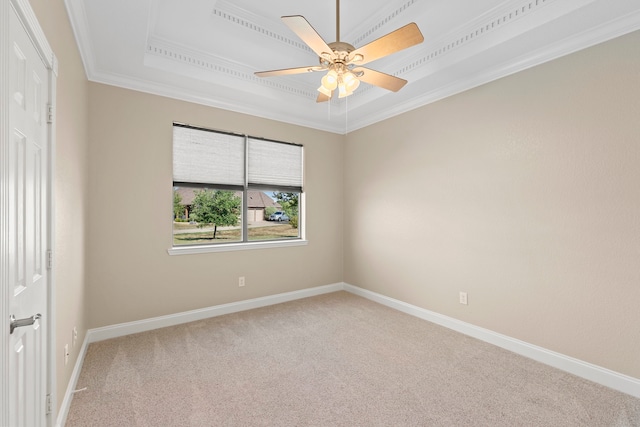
(350, 81)
(330, 80)
(329, 83)
(339, 77)
(323, 90)
(344, 94)
(347, 83)
(344, 90)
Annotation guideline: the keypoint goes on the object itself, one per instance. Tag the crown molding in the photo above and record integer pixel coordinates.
(369, 29)
(491, 29)
(592, 37)
(80, 27)
(171, 57)
(171, 91)
(234, 14)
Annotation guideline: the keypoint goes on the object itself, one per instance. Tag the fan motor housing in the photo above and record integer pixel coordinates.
(342, 50)
(341, 47)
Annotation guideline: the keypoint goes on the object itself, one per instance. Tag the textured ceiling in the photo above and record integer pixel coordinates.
(207, 51)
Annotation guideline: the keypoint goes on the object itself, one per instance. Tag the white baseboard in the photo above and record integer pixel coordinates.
(73, 381)
(122, 329)
(597, 374)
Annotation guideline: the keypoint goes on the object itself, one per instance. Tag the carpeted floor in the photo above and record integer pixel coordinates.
(331, 360)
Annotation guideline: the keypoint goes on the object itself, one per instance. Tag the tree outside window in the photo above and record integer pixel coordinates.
(216, 208)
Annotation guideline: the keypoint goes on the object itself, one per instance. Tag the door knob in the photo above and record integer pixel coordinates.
(22, 322)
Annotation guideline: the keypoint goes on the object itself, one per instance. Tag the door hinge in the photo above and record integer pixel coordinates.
(48, 408)
(50, 112)
(49, 259)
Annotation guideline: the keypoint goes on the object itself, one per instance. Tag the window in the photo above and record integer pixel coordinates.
(234, 189)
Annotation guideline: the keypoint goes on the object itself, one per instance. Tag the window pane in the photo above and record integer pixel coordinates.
(272, 215)
(206, 157)
(205, 216)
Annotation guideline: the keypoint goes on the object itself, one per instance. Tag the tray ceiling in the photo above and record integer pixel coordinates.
(206, 51)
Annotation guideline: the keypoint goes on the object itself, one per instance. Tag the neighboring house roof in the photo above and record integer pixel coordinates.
(186, 195)
(257, 199)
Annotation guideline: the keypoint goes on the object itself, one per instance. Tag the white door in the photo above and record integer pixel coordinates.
(28, 222)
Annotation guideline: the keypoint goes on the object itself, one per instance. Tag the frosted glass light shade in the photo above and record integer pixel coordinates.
(324, 91)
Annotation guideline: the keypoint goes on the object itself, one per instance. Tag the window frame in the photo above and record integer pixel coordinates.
(245, 244)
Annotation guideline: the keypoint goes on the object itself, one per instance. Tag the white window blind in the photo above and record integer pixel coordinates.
(275, 163)
(205, 157)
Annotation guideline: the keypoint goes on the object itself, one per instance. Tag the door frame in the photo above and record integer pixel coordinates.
(28, 18)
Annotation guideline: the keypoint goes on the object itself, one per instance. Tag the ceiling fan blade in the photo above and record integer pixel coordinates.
(379, 79)
(309, 35)
(287, 71)
(323, 98)
(395, 41)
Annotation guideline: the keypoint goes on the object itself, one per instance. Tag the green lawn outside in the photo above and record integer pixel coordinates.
(192, 235)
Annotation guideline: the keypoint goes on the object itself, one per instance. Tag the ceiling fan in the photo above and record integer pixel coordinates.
(343, 62)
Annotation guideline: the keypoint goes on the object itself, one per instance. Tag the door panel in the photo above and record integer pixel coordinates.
(25, 385)
(28, 231)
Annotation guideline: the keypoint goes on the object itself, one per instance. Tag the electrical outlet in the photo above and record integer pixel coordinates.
(463, 298)
(241, 281)
(66, 354)
(74, 336)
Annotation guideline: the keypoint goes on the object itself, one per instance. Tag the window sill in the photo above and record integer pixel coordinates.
(188, 250)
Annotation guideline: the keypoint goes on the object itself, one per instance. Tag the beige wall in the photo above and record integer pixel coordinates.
(523, 193)
(71, 185)
(131, 276)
